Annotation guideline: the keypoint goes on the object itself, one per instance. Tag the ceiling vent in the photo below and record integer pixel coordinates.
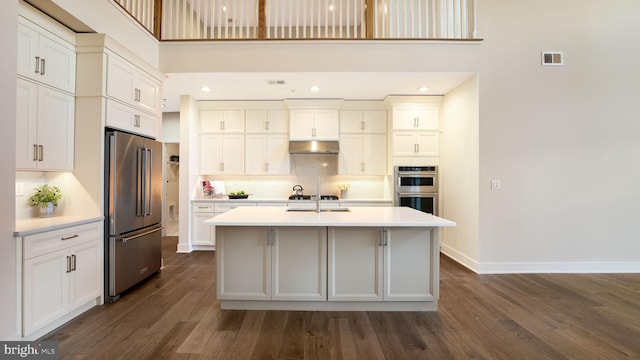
(275, 82)
(552, 58)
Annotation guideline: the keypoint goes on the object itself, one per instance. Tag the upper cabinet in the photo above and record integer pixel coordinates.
(313, 124)
(314, 120)
(131, 88)
(267, 121)
(416, 117)
(44, 57)
(131, 85)
(45, 104)
(44, 127)
(363, 121)
(416, 131)
(221, 121)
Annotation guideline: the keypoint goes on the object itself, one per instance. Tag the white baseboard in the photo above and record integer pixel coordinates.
(585, 267)
(460, 258)
(184, 248)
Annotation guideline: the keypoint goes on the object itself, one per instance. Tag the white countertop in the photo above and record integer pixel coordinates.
(357, 216)
(283, 200)
(38, 225)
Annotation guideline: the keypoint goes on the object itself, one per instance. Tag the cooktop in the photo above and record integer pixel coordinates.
(308, 197)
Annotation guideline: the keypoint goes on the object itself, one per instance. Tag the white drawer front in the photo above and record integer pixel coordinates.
(202, 207)
(39, 244)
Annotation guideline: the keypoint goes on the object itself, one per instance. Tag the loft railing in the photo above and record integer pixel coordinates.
(305, 19)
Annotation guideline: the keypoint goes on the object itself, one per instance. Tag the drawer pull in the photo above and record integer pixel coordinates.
(70, 237)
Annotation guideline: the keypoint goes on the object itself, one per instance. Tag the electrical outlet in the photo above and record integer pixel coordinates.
(19, 189)
(496, 184)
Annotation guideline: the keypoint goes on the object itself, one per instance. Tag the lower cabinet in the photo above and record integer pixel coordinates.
(381, 264)
(263, 263)
(62, 272)
(201, 233)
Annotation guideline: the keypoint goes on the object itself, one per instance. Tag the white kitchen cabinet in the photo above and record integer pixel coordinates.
(201, 233)
(381, 264)
(416, 117)
(62, 273)
(267, 121)
(44, 57)
(355, 263)
(267, 155)
(416, 143)
(313, 124)
(44, 127)
(262, 263)
(132, 86)
(363, 154)
(221, 154)
(130, 119)
(222, 121)
(363, 121)
(203, 236)
(116, 88)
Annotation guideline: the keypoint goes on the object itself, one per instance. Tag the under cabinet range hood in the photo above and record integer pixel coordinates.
(314, 147)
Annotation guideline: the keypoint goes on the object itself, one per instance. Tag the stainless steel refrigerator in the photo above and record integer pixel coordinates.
(133, 208)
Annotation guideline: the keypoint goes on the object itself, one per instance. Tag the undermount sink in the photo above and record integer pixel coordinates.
(321, 210)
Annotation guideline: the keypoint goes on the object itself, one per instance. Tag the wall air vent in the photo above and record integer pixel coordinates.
(275, 82)
(552, 58)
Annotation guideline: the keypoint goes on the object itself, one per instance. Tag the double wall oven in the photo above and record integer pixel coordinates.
(417, 187)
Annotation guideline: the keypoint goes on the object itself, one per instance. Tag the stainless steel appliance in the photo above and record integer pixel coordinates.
(417, 187)
(133, 208)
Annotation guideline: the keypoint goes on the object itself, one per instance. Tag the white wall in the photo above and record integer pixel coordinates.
(459, 176)
(8, 300)
(104, 16)
(563, 140)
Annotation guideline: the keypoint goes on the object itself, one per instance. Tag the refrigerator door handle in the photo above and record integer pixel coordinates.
(149, 184)
(125, 239)
(140, 183)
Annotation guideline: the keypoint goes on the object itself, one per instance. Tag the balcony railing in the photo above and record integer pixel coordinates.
(305, 19)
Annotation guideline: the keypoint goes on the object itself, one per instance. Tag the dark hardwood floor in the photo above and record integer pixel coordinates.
(175, 315)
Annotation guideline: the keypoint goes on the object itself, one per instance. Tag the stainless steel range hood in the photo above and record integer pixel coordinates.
(313, 147)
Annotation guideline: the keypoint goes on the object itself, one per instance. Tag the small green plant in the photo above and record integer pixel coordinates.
(45, 194)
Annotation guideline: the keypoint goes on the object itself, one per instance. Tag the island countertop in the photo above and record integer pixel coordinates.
(356, 216)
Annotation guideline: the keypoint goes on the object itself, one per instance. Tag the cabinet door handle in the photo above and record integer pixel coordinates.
(73, 262)
(266, 167)
(381, 242)
(221, 125)
(417, 148)
(40, 152)
(35, 152)
(37, 69)
(266, 125)
(221, 166)
(362, 167)
(70, 237)
(362, 125)
(136, 95)
(42, 63)
(313, 132)
(386, 237)
(68, 264)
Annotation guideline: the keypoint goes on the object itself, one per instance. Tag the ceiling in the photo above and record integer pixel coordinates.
(297, 85)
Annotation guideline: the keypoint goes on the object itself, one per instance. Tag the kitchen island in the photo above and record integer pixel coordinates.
(364, 258)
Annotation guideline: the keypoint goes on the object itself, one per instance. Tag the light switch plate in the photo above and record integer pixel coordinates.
(496, 184)
(19, 189)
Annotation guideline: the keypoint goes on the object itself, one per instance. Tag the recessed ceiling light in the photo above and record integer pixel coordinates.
(205, 89)
(423, 88)
(331, 7)
(315, 88)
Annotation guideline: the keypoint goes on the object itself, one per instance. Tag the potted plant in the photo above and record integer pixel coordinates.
(47, 198)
